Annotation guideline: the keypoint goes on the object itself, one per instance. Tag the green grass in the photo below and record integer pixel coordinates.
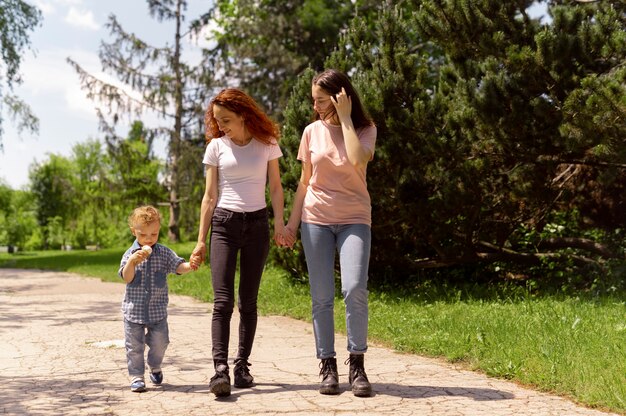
(574, 347)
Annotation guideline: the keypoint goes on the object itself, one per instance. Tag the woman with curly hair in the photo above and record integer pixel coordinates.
(242, 153)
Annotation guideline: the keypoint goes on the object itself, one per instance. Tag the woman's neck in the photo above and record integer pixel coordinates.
(334, 120)
(241, 142)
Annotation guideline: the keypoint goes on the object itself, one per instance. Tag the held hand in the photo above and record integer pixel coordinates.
(343, 105)
(278, 234)
(198, 254)
(289, 237)
(194, 262)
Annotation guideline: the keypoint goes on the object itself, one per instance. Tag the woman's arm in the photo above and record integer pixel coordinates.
(278, 199)
(209, 201)
(357, 154)
(298, 200)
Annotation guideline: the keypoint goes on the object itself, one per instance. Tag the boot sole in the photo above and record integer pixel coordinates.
(244, 385)
(221, 389)
(329, 390)
(362, 392)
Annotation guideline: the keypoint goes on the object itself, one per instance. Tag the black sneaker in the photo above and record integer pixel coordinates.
(243, 378)
(156, 377)
(220, 382)
(330, 376)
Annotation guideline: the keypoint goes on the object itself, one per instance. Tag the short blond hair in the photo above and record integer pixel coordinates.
(146, 214)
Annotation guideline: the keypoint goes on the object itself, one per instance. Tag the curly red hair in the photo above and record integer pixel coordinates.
(257, 122)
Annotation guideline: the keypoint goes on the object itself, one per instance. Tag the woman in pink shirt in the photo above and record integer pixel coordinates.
(333, 204)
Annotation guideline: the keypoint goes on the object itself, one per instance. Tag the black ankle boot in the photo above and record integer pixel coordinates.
(361, 386)
(243, 378)
(330, 376)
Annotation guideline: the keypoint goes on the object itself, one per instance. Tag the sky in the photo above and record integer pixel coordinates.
(72, 28)
(76, 28)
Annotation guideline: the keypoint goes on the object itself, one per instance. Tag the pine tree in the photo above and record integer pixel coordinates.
(262, 46)
(169, 87)
(537, 105)
(491, 125)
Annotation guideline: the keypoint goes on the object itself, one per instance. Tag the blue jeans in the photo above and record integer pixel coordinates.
(353, 243)
(156, 336)
(247, 235)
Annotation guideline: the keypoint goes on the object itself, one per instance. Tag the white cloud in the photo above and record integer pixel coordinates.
(49, 72)
(46, 7)
(81, 18)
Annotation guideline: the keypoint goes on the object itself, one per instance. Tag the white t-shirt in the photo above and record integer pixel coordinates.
(242, 172)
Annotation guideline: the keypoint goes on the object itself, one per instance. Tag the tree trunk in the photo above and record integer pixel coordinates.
(175, 145)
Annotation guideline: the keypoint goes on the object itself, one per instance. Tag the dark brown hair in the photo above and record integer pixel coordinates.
(331, 81)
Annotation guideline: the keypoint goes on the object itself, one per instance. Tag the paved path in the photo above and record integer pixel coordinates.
(61, 354)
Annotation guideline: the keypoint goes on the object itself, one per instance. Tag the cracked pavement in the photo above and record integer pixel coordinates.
(61, 353)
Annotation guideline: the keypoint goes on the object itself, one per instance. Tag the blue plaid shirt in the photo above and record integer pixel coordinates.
(145, 300)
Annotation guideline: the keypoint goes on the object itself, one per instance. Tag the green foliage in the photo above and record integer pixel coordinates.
(170, 87)
(53, 187)
(84, 200)
(489, 123)
(18, 221)
(297, 115)
(262, 46)
(17, 19)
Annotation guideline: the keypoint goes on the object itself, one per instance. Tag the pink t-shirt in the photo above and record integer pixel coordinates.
(337, 192)
(241, 172)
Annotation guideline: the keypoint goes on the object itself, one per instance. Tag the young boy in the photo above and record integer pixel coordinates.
(144, 268)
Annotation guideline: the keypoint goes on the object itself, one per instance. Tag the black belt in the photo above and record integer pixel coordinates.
(262, 213)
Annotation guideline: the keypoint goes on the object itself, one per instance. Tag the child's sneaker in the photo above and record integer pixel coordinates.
(156, 377)
(137, 385)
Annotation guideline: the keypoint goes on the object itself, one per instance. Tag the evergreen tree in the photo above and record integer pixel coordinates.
(535, 106)
(488, 123)
(168, 86)
(262, 46)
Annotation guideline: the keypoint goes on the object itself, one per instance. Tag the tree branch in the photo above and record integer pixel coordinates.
(591, 246)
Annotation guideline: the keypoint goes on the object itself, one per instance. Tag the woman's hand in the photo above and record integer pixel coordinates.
(343, 104)
(289, 237)
(278, 234)
(198, 254)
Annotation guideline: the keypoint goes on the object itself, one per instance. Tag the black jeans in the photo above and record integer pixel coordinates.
(246, 234)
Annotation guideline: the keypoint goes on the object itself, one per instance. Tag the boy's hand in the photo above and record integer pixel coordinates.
(139, 257)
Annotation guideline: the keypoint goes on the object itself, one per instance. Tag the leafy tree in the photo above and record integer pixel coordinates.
(93, 191)
(54, 191)
(17, 19)
(263, 45)
(168, 86)
(488, 125)
(17, 217)
(135, 170)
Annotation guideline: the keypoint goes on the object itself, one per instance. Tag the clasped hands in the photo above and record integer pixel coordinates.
(284, 236)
